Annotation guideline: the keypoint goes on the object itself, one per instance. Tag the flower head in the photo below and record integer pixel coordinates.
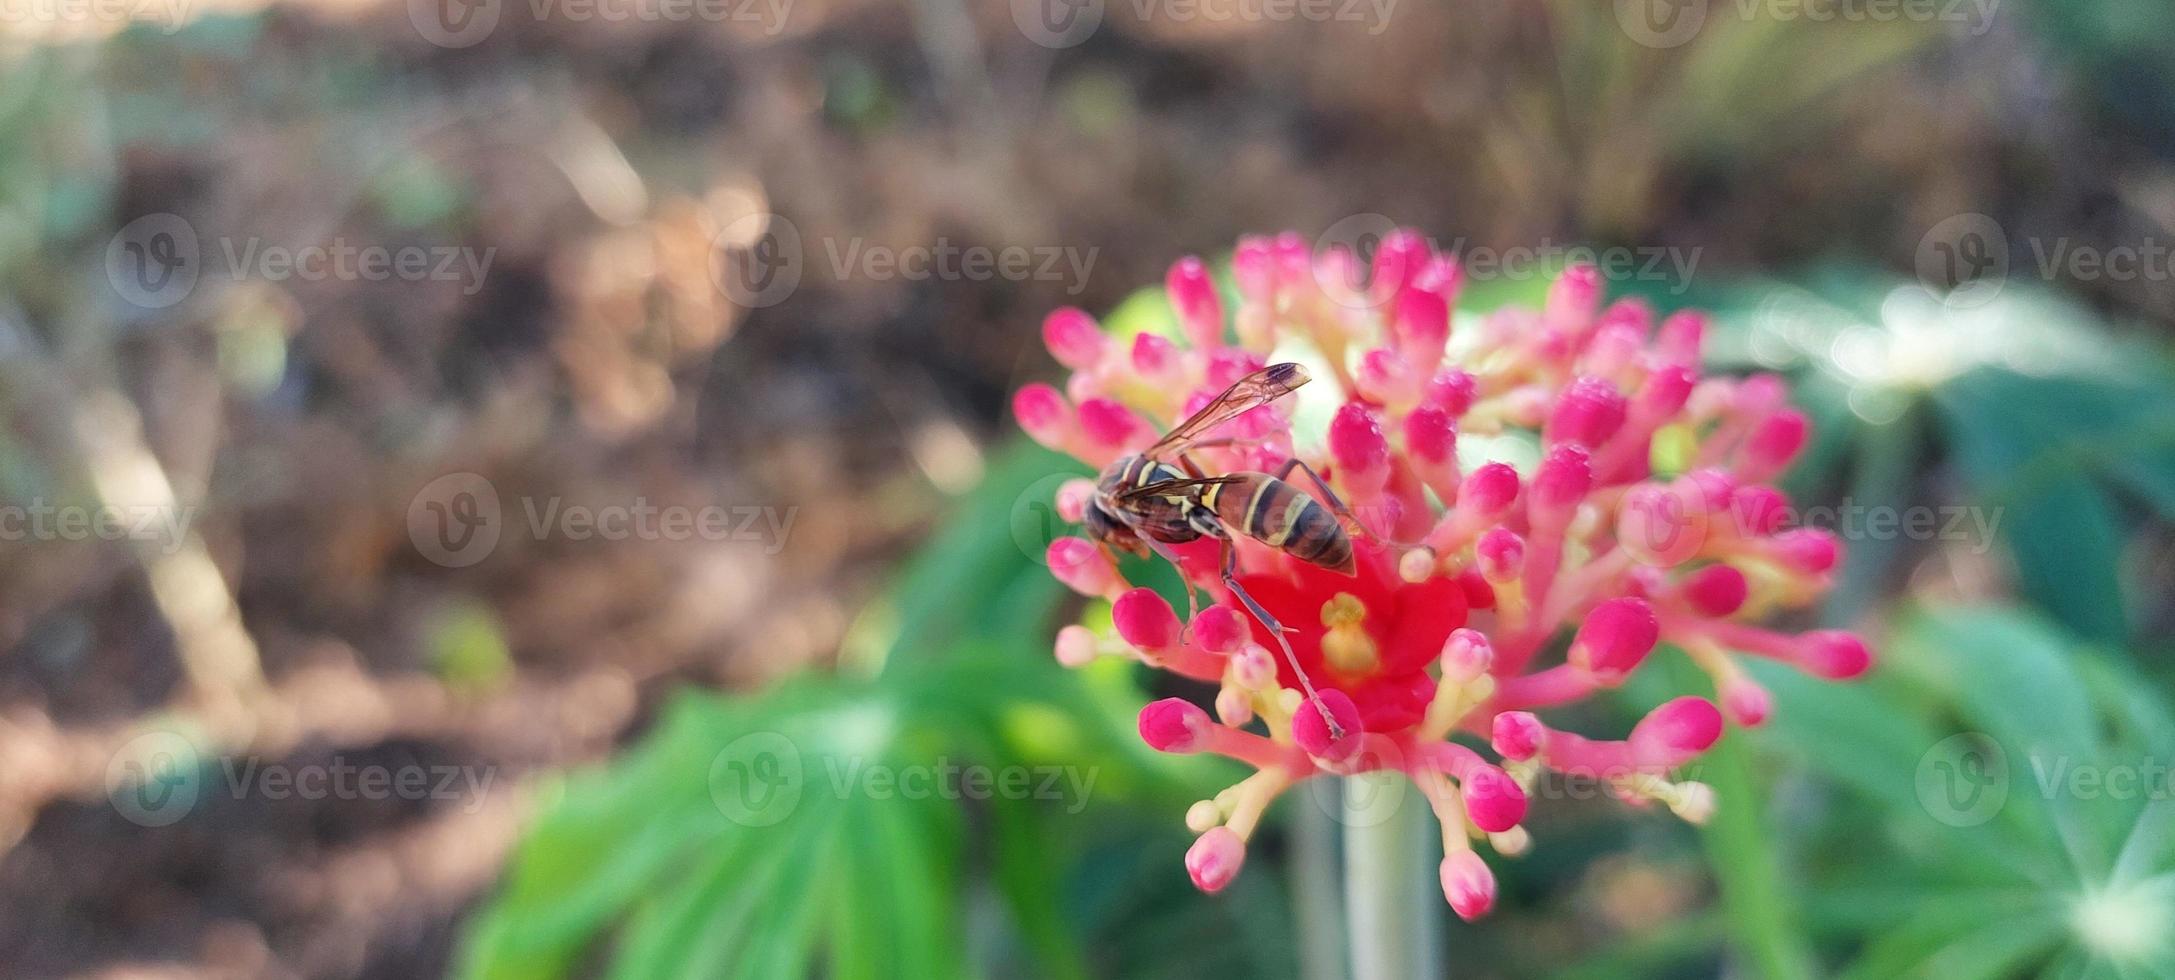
(1462, 594)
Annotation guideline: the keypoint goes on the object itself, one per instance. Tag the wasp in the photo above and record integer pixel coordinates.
(1160, 496)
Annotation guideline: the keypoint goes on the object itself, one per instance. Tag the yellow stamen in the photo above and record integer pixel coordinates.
(1347, 647)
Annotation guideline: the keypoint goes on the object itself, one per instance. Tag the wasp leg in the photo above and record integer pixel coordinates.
(1336, 503)
(1193, 603)
(1276, 629)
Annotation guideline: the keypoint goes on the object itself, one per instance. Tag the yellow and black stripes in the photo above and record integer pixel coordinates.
(1277, 514)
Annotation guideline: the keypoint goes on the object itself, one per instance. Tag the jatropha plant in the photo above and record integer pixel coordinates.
(1388, 594)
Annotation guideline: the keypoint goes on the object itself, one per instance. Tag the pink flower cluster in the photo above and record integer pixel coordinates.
(1644, 513)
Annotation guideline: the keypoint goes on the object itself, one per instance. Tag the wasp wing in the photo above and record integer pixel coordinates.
(1162, 488)
(1249, 393)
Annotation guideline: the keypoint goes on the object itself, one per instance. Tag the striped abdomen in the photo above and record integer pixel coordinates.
(1277, 514)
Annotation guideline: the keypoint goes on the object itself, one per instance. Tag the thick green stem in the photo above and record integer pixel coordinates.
(1391, 900)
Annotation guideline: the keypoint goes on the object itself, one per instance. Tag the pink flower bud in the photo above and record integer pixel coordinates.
(1614, 347)
(1174, 725)
(1588, 413)
(1111, 425)
(1488, 491)
(1492, 799)
(1421, 324)
(1561, 484)
(1747, 703)
(1713, 488)
(1661, 526)
(1234, 707)
(1760, 395)
(1082, 566)
(1679, 729)
(1682, 335)
(1518, 735)
(1452, 391)
(1468, 884)
(1215, 859)
(1501, 555)
(1145, 620)
(1075, 646)
(1156, 358)
(1397, 259)
(1253, 264)
(1254, 667)
(1193, 295)
(1837, 655)
(1759, 509)
(1361, 451)
(1384, 377)
(1044, 414)
(1072, 499)
(1574, 296)
(1074, 338)
(1226, 365)
(1466, 655)
(1220, 629)
(1665, 393)
(1311, 730)
(1810, 550)
(1432, 436)
(1716, 590)
(1773, 445)
(1616, 636)
(1630, 312)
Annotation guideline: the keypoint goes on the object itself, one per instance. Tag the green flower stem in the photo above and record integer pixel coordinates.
(1391, 851)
